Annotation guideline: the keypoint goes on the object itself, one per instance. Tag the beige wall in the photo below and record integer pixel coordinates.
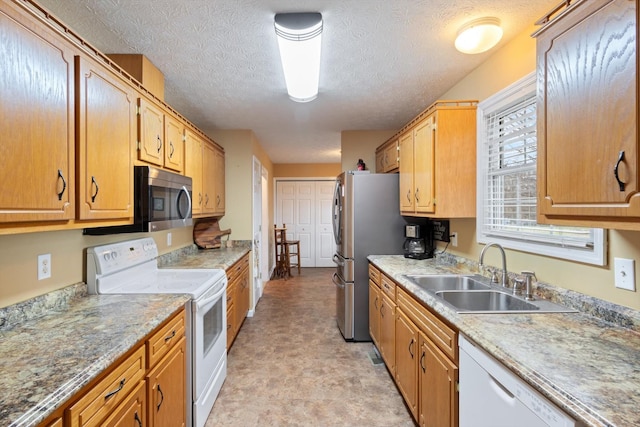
(300, 170)
(512, 62)
(362, 144)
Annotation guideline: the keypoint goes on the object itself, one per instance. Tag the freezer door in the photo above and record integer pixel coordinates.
(344, 267)
(344, 306)
(337, 215)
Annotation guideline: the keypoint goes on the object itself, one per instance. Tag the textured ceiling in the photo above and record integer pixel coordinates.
(383, 61)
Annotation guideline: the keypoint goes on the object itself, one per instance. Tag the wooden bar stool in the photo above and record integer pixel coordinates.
(285, 251)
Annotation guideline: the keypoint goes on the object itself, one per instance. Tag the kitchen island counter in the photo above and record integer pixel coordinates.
(588, 366)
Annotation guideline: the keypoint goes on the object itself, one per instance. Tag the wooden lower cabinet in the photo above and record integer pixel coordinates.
(407, 346)
(131, 412)
(374, 312)
(166, 389)
(438, 379)
(388, 331)
(238, 297)
(55, 423)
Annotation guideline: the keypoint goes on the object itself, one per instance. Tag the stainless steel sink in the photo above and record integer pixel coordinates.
(486, 301)
(445, 282)
(474, 294)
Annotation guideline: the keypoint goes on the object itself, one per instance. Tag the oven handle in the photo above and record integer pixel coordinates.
(200, 303)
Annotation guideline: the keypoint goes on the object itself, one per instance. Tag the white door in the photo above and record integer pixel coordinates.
(305, 208)
(266, 243)
(325, 243)
(257, 233)
(305, 220)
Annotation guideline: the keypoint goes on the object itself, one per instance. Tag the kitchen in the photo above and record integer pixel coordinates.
(515, 59)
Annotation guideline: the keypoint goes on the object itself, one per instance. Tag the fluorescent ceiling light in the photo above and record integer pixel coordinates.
(479, 35)
(299, 40)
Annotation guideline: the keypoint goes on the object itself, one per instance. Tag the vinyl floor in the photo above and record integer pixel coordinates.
(290, 366)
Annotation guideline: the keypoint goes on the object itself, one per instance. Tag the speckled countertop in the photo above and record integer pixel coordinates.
(53, 345)
(587, 364)
(46, 360)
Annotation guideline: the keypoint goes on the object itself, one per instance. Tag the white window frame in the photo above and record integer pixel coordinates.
(595, 255)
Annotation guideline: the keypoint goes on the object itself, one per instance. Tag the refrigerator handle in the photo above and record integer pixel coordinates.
(339, 282)
(337, 260)
(337, 213)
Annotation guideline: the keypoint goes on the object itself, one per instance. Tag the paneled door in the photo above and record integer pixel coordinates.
(305, 208)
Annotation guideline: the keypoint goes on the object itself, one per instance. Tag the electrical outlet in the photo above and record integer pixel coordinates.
(625, 273)
(168, 239)
(44, 266)
(454, 239)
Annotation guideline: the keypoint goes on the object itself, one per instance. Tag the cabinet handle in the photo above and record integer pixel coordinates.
(64, 184)
(108, 395)
(94, 195)
(422, 364)
(171, 149)
(418, 195)
(168, 337)
(161, 398)
(136, 418)
(409, 196)
(217, 200)
(375, 303)
(206, 199)
(382, 310)
(199, 198)
(615, 170)
(159, 145)
(411, 345)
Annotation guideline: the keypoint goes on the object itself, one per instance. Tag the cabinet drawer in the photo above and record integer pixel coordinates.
(438, 332)
(374, 274)
(105, 396)
(132, 411)
(235, 270)
(162, 341)
(388, 286)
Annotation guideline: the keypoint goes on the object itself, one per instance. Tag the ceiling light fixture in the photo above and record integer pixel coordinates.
(479, 35)
(299, 40)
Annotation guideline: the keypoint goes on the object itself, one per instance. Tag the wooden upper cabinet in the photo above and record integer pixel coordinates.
(588, 172)
(193, 159)
(387, 157)
(37, 121)
(174, 137)
(220, 181)
(106, 126)
(161, 137)
(438, 162)
(213, 180)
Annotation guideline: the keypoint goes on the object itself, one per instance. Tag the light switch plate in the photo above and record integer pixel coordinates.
(625, 273)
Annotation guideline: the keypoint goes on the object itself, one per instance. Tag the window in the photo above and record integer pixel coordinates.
(507, 155)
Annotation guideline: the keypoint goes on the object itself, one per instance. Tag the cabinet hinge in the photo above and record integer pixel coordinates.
(138, 110)
(458, 386)
(139, 146)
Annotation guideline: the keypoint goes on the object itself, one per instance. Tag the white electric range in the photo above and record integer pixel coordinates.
(131, 267)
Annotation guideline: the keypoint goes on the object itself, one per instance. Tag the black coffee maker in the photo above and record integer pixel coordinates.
(418, 242)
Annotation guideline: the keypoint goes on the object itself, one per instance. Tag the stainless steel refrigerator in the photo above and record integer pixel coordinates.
(366, 221)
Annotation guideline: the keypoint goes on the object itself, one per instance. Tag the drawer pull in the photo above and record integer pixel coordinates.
(108, 395)
(161, 398)
(137, 419)
(173, 334)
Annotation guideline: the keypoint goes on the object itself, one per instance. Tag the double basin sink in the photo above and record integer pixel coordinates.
(473, 294)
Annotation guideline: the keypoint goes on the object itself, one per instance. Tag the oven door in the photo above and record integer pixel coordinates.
(209, 338)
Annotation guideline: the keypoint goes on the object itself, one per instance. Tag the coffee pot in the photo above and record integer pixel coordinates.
(415, 245)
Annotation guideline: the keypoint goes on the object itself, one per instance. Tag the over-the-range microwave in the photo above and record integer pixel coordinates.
(162, 200)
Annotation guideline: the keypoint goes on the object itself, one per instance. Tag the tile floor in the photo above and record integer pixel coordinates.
(290, 366)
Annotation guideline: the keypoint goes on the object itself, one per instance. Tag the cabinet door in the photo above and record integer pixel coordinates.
(209, 179)
(388, 331)
(374, 313)
(166, 390)
(219, 182)
(407, 347)
(588, 112)
(174, 150)
(132, 412)
(193, 167)
(37, 122)
(407, 200)
(242, 301)
(424, 166)
(391, 157)
(380, 161)
(106, 135)
(151, 133)
(438, 387)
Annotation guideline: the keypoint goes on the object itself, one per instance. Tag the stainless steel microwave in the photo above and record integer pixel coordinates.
(162, 200)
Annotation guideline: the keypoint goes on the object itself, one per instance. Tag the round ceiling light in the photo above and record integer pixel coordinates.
(479, 35)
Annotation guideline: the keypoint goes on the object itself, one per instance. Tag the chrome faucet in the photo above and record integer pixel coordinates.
(505, 278)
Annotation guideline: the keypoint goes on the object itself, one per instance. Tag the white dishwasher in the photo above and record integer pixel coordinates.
(492, 396)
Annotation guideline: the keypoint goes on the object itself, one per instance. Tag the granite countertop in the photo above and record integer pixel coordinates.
(53, 345)
(588, 366)
(44, 361)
